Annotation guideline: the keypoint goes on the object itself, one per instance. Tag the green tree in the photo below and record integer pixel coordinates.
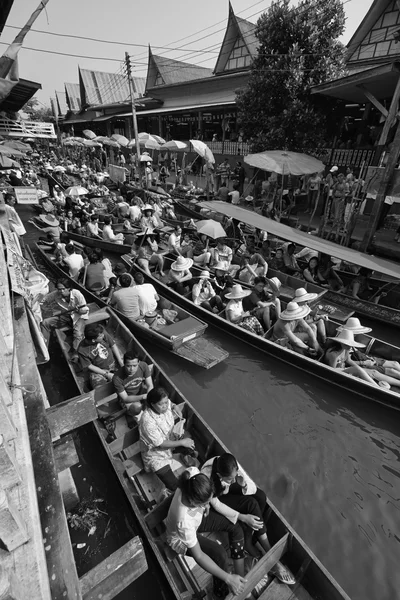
(37, 112)
(298, 48)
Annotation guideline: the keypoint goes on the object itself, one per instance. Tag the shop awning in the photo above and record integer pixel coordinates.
(22, 91)
(379, 81)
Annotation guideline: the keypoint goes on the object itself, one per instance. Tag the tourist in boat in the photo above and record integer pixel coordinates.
(361, 289)
(58, 197)
(190, 514)
(327, 275)
(311, 272)
(291, 330)
(148, 297)
(179, 274)
(277, 263)
(175, 244)
(315, 319)
(149, 221)
(92, 227)
(108, 234)
(263, 304)
(121, 209)
(265, 251)
(201, 253)
(236, 314)
(238, 498)
(224, 254)
(148, 255)
(337, 355)
(253, 267)
(53, 226)
(290, 263)
(94, 274)
(160, 440)
(108, 268)
(133, 382)
(74, 311)
(203, 294)
(73, 261)
(97, 355)
(134, 212)
(126, 298)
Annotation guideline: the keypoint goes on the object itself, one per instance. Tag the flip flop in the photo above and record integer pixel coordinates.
(283, 574)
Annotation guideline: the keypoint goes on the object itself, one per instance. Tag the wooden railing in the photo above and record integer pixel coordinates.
(24, 129)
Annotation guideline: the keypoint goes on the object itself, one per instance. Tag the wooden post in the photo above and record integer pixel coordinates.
(392, 114)
(379, 200)
(9, 472)
(12, 528)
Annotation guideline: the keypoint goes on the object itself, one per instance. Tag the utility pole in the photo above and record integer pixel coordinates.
(133, 105)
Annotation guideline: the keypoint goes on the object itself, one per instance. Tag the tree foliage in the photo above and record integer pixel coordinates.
(298, 49)
(36, 112)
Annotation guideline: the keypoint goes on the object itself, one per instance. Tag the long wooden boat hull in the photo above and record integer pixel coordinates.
(141, 488)
(314, 367)
(97, 243)
(186, 340)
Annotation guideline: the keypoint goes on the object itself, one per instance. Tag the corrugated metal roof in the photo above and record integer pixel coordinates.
(19, 95)
(166, 71)
(73, 96)
(106, 88)
(62, 105)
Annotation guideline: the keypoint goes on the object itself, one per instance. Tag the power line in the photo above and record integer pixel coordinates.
(65, 53)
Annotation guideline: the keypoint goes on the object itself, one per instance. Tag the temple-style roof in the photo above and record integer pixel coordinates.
(166, 71)
(61, 103)
(239, 46)
(72, 96)
(373, 42)
(97, 87)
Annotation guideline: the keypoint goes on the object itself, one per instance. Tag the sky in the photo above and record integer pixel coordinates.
(180, 29)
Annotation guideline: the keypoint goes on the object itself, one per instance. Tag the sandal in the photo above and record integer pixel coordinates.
(283, 574)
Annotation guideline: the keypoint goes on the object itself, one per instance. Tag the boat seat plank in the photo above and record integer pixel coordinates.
(182, 328)
(280, 591)
(124, 441)
(202, 352)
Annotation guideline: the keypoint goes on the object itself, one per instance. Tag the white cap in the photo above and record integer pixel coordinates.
(334, 169)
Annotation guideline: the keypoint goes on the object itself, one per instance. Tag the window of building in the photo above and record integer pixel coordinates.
(239, 57)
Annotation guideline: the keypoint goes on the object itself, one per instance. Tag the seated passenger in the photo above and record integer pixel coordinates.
(292, 330)
(237, 497)
(95, 270)
(149, 221)
(224, 254)
(130, 381)
(126, 298)
(97, 355)
(290, 263)
(361, 289)
(148, 297)
(190, 514)
(203, 294)
(201, 253)
(337, 355)
(92, 227)
(148, 255)
(175, 244)
(108, 234)
(253, 267)
(315, 320)
(261, 303)
(158, 441)
(179, 274)
(236, 314)
(327, 274)
(277, 263)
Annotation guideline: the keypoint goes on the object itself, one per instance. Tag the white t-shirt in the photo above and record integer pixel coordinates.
(147, 298)
(75, 263)
(134, 213)
(182, 524)
(235, 197)
(174, 241)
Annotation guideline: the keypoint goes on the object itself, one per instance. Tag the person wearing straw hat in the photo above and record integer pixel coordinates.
(148, 222)
(203, 294)
(236, 314)
(179, 274)
(337, 355)
(223, 253)
(53, 226)
(292, 330)
(314, 319)
(261, 303)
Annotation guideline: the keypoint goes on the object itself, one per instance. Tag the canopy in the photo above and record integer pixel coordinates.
(285, 162)
(174, 145)
(301, 238)
(211, 228)
(203, 150)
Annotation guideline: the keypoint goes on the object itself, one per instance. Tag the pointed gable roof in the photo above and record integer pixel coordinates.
(373, 40)
(72, 96)
(239, 47)
(61, 103)
(98, 87)
(167, 71)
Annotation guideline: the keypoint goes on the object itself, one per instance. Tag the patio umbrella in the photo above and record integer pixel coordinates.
(89, 134)
(148, 142)
(91, 143)
(174, 146)
(203, 150)
(5, 151)
(8, 163)
(76, 190)
(146, 158)
(285, 162)
(106, 141)
(59, 169)
(211, 228)
(17, 145)
(121, 139)
(158, 139)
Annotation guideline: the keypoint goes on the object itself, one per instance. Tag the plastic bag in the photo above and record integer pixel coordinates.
(169, 315)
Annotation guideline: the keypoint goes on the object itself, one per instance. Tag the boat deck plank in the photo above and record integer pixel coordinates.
(202, 352)
(279, 591)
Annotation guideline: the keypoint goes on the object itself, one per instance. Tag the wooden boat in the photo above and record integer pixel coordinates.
(98, 243)
(185, 338)
(187, 579)
(385, 312)
(375, 347)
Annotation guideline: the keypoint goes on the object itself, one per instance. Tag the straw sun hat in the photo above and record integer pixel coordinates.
(346, 338)
(293, 311)
(204, 275)
(353, 324)
(181, 264)
(147, 207)
(237, 293)
(301, 295)
(275, 285)
(49, 220)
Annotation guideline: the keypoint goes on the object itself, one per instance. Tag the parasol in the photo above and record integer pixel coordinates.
(285, 162)
(91, 143)
(89, 134)
(203, 150)
(211, 228)
(146, 158)
(59, 169)
(6, 151)
(76, 190)
(121, 139)
(106, 141)
(174, 146)
(150, 144)
(17, 145)
(158, 139)
(8, 163)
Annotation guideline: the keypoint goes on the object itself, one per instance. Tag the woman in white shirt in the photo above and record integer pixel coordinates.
(203, 294)
(237, 497)
(108, 233)
(190, 514)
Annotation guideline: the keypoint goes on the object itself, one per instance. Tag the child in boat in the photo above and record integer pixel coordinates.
(158, 439)
(237, 497)
(190, 514)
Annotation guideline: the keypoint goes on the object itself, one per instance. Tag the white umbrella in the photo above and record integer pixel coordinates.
(107, 141)
(91, 143)
(89, 134)
(150, 144)
(158, 139)
(145, 158)
(203, 150)
(76, 190)
(285, 162)
(121, 139)
(174, 145)
(60, 169)
(211, 228)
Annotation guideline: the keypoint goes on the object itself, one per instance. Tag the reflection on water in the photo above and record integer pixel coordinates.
(327, 459)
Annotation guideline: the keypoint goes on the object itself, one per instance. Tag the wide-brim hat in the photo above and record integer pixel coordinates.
(148, 207)
(237, 292)
(275, 284)
(301, 295)
(49, 220)
(293, 311)
(353, 324)
(346, 338)
(181, 264)
(220, 266)
(204, 275)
